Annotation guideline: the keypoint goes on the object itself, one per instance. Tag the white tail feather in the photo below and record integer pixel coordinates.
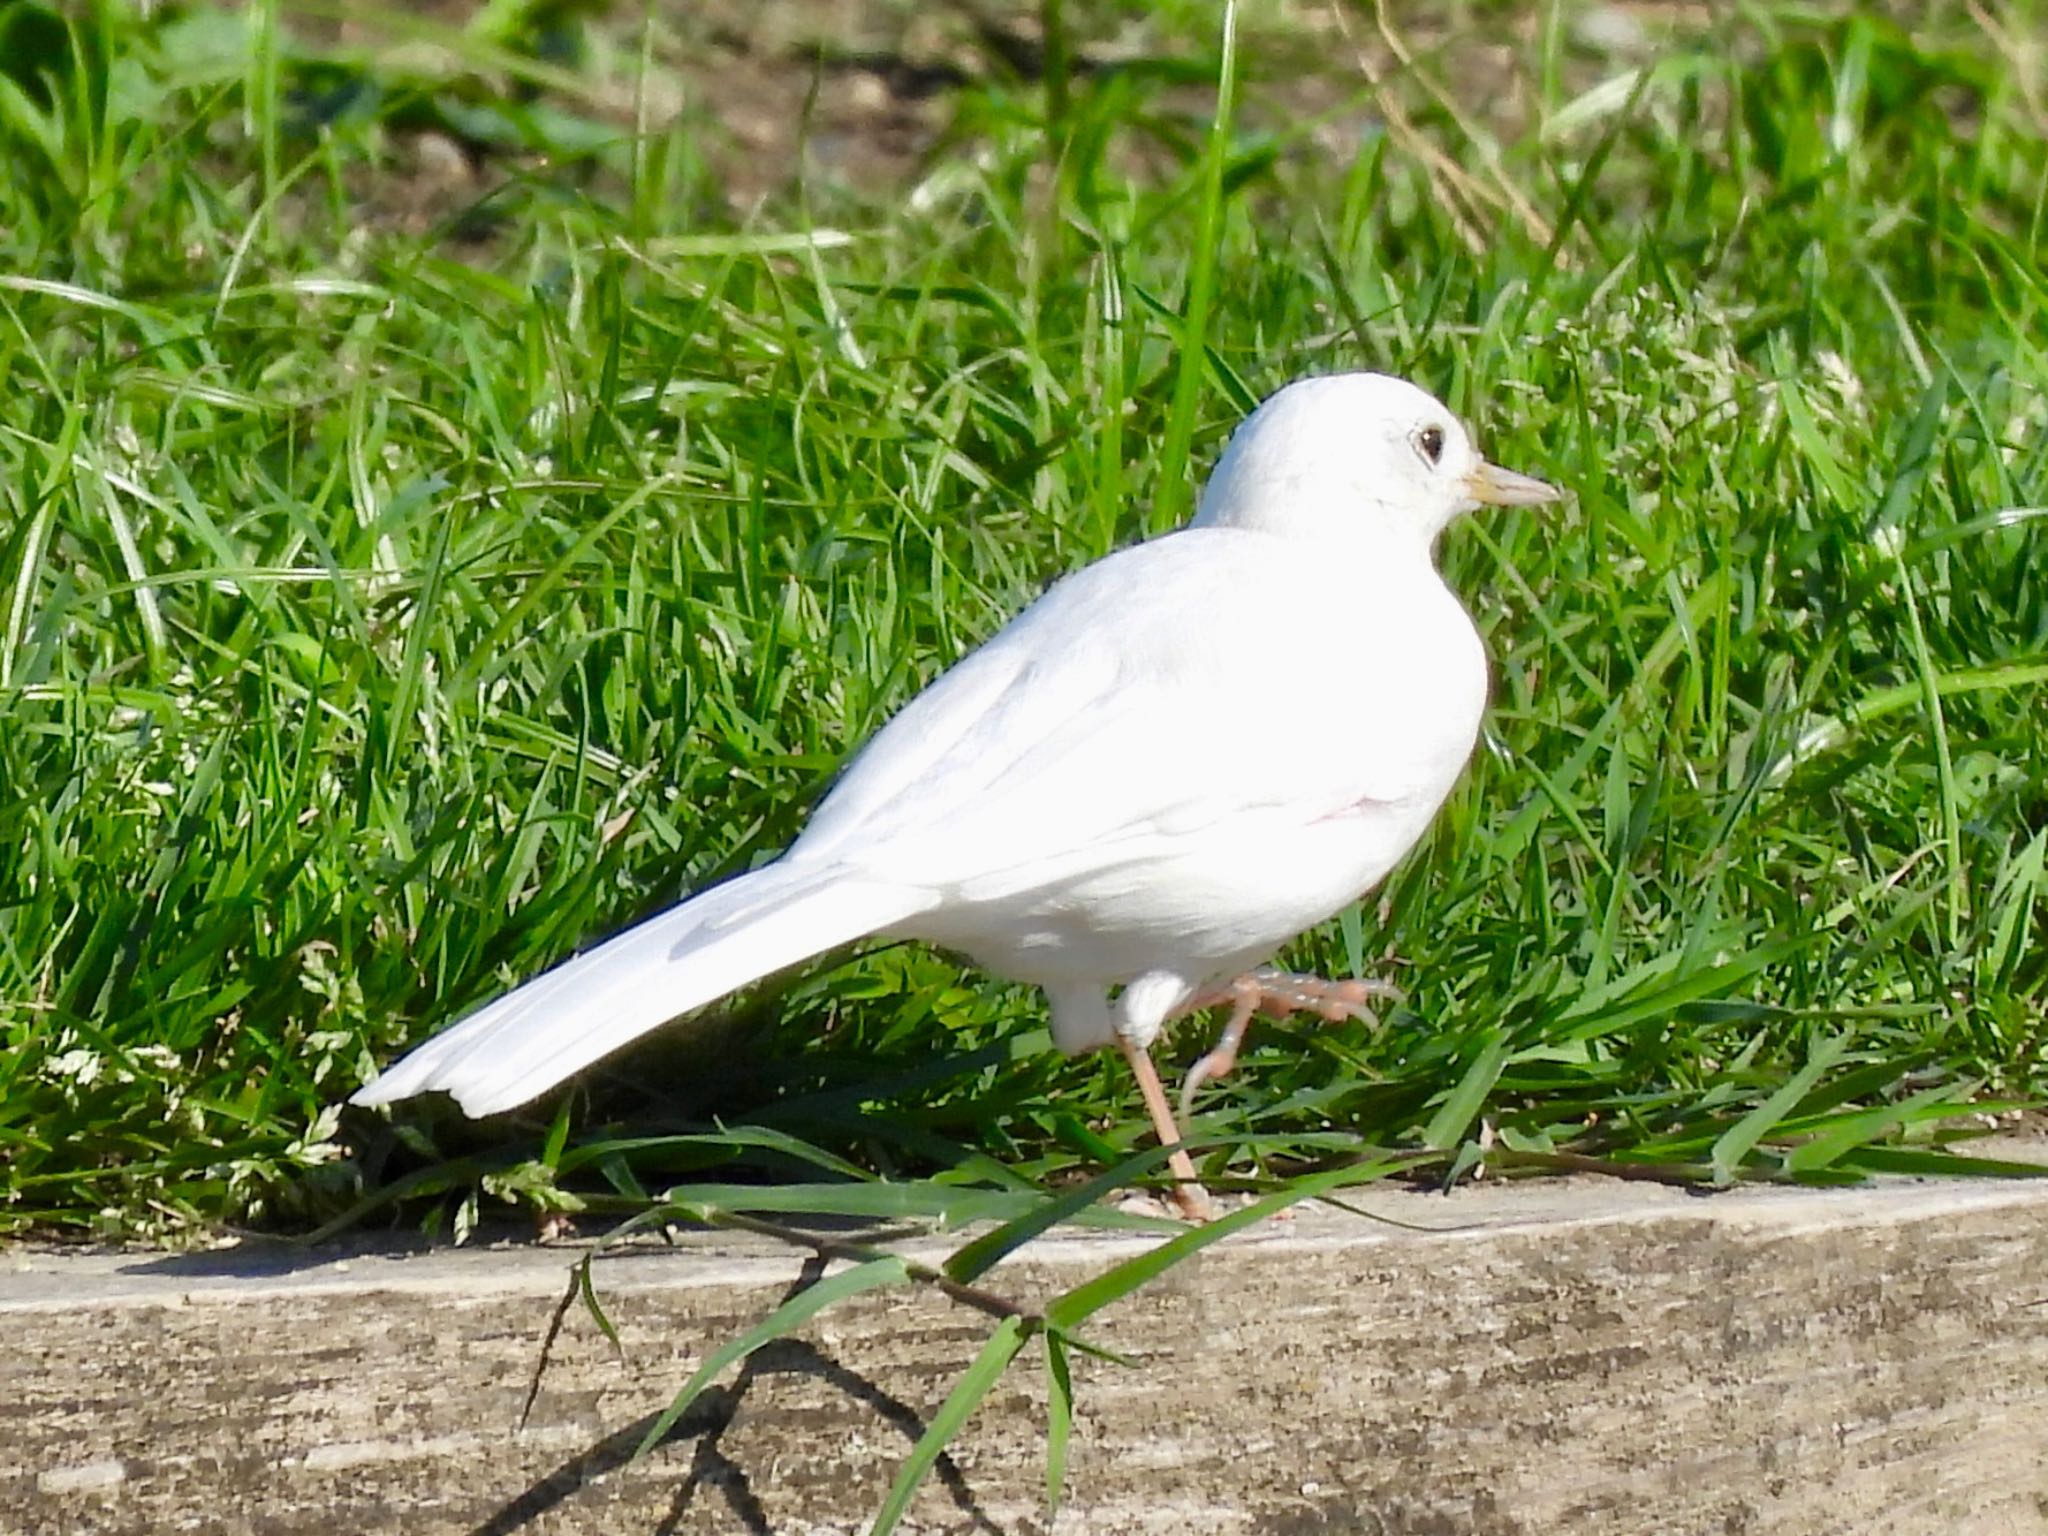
(522, 1044)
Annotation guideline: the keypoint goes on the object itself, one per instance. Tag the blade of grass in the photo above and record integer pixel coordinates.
(1448, 1125)
(967, 1394)
(1077, 1305)
(1174, 489)
(1059, 1417)
(974, 1259)
(1740, 1139)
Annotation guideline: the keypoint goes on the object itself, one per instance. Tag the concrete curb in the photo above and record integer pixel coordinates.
(1585, 1357)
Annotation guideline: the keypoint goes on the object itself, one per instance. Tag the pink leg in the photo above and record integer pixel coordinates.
(1189, 1197)
(1278, 994)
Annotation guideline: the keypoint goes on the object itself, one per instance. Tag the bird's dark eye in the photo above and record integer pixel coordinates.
(1430, 440)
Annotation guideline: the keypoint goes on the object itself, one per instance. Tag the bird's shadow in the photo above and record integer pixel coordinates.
(711, 1468)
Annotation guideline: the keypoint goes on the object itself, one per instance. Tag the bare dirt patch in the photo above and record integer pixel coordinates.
(862, 97)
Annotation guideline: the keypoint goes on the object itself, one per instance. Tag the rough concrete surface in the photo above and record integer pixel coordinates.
(1586, 1357)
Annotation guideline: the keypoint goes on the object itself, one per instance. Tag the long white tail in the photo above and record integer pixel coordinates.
(522, 1044)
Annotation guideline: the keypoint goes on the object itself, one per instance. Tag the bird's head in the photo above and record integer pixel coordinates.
(1353, 452)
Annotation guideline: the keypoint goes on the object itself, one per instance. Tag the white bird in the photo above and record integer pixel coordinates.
(1173, 762)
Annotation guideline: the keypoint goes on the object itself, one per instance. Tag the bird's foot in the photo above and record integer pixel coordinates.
(1283, 992)
(1277, 994)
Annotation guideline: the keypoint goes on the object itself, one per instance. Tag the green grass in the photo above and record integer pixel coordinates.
(384, 615)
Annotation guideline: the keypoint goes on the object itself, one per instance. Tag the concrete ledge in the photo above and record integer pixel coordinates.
(1583, 1357)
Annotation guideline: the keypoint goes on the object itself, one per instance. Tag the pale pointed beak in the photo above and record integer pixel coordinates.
(1492, 486)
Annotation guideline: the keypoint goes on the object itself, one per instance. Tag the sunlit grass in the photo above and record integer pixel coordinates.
(382, 617)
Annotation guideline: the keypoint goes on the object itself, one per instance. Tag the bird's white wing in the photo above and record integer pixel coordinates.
(1202, 676)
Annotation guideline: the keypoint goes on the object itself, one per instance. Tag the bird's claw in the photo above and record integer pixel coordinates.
(1277, 994)
(1283, 992)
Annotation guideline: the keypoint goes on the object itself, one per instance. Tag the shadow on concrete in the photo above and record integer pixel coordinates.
(711, 1470)
(260, 1258)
